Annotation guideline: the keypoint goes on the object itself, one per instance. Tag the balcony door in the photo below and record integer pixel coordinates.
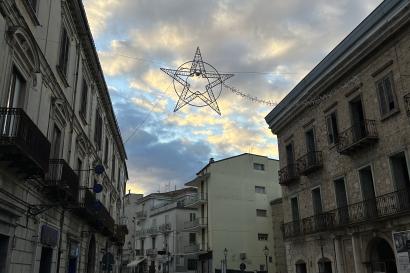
(317, 208)
(357, 118)
(401, 179)
(290, 160)
(341, 200)
(295, 214)
(310, 147)
(56, 143)
(15, 95)
(368, 193)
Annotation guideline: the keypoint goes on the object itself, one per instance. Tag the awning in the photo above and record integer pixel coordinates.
(136, 262)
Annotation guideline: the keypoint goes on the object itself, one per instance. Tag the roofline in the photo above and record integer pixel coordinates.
(231, 157)
(96, 61)
(339, 52)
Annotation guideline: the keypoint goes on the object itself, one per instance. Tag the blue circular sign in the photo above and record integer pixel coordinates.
(97, 188)
(99, 169)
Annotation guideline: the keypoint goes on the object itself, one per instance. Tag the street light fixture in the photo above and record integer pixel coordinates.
(225, 254)
(266, 252)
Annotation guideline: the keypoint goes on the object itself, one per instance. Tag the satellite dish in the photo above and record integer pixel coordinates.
(99, 169)
(97, 188)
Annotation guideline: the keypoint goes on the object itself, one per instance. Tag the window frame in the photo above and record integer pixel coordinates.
(84, 101)
(333, 130)
(262, 188)
(64, 61)
(261, 213)
(388, 76)
(263, 236)
(98, 128)
(258, 166)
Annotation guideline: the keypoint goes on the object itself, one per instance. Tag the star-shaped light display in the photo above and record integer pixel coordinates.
(197, 83)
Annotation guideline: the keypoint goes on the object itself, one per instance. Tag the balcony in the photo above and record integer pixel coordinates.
(165, 228)
(288, 174)
(151, 252)
(22, 144)
(382, 207)
(196, 224)
(152, 230)
(141, 233)
(119, 234)
(357, 137)
(61, 181)
(141, 215)
(94, 212)
(195, 201)
(191, 248)
(310, 162)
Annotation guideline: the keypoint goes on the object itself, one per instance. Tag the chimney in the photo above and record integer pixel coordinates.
(211, 160)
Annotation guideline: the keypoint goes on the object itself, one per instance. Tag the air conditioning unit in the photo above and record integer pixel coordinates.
(242, 256)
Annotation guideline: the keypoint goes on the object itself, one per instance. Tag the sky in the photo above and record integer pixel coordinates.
(269, 46)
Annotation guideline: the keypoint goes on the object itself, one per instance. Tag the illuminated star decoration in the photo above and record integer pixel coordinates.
(192, 75)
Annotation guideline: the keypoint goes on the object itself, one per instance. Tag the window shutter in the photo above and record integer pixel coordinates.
(330, 135)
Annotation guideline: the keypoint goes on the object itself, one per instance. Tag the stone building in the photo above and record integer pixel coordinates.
(157, 239)
(58, 139)
(278, 246)
(234, 223)
(344, 139)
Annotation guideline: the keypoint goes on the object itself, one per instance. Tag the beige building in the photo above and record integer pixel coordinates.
(234, 222)
(157, 239)
(57, 124)
(344, 140)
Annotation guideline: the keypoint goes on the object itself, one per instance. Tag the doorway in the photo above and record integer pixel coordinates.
(91, 256)
(301, 267)
(401, 178)
(341, 200)
(382, 259)
(46, 259)
(4, 246)
(368, 193)
(325, 266)
(357, 118)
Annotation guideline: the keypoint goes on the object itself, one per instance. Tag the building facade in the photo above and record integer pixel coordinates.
(157, 239)
(278, 246)
(235, 220)
(59, 138)
(343, 135)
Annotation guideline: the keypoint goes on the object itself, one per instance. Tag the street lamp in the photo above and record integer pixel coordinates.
(266, 252)
(225, 254)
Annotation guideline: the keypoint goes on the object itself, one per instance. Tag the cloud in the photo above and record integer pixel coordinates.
(269, 46)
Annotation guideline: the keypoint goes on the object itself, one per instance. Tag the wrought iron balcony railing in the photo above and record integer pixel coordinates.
(384, 206)
(151, 252)
(93, 211)
(196, 200)
(288, 174)
(22, 142)
(152, 230)
(196, 223)
(62, 182)
(191, 248)
(140, 215)
(357, 136)
(310, 162)
(164, 228)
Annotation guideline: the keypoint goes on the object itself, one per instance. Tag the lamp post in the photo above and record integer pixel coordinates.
(225, 261)
(266, 252)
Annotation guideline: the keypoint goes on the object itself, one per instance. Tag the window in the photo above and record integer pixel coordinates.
(64, 52)
(32, 4)
(385, 92)
(259, 166)
(191, 217)
(84, 98)
(113, 168)
(106, 151)
(191, 264)
(98, 130)
(317, 201)
(261, 267)
(79, 168)
(332, 130)
(15, 96)
(153, 242)
(4, 246)
(295, 208)
(260, 189)
(261, 212)
(46, 259)
(56, 143)
(192, 238)
(262, 236)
